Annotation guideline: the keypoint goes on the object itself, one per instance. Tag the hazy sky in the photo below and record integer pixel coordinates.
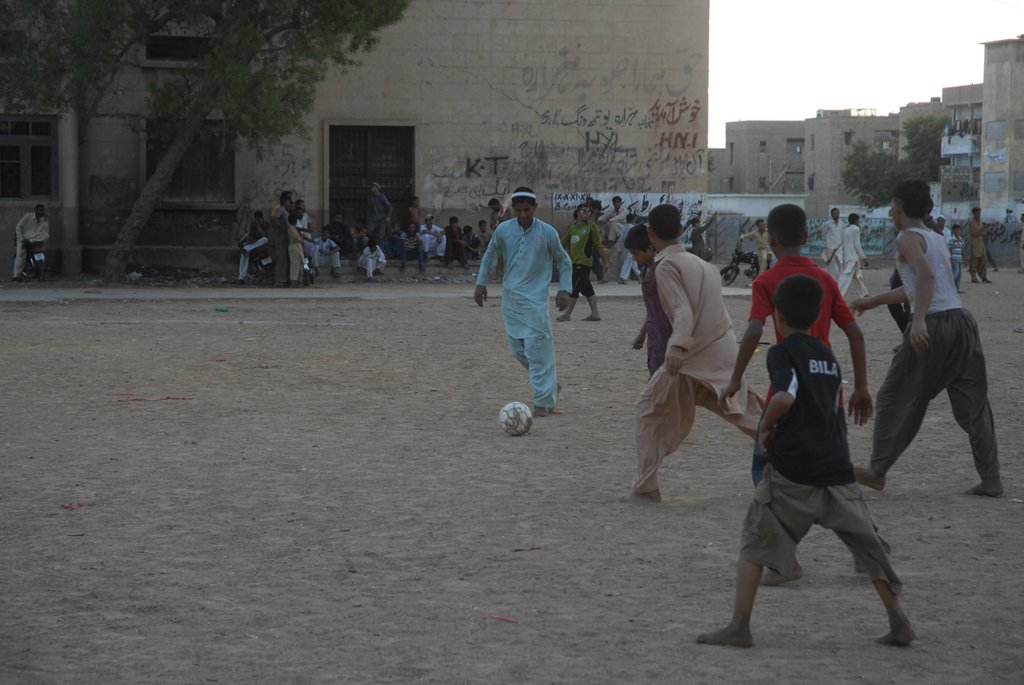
(786, 59)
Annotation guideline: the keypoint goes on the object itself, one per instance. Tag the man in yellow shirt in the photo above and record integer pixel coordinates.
(759, 235)
(976, 230)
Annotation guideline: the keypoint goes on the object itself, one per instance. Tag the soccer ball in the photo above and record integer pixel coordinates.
(515, 418)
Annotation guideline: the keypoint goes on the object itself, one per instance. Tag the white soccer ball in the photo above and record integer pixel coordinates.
(515, 418)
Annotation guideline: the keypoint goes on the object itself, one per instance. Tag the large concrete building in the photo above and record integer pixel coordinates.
(460, 101)
(762, 157)
(1002, 137)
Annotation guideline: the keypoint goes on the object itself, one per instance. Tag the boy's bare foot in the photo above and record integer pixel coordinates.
(592, 318)
(899, 635)
(563, 317)
(644, 497)
(727, 636)
(772, 579)
(540, 411)
(875, 481)
(987, 488)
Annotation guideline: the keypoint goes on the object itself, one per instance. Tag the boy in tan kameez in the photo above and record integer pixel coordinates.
(698, 360)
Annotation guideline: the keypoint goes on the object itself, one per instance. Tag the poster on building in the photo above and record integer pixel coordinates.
(689, 204)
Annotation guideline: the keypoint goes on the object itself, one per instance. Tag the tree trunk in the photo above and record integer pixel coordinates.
(151, 194)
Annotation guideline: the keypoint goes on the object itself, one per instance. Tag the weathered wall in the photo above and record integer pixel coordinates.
(565, 97)
(571, 97)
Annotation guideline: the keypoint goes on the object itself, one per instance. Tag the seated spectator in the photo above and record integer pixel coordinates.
(327, 252)
(254, 244)
(341, 235)
(413, 210)
(359, 239)
(483, 235)
(472, 242)
(430, 234)
(372, 258)
(412, 247)
(455, 246)
(393, 244)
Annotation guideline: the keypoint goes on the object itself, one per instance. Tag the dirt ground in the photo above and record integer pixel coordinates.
(315, 490)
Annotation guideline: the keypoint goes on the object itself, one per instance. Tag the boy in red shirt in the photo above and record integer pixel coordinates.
(787, 231)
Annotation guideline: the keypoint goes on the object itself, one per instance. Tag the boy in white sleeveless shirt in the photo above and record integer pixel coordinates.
(941, 350)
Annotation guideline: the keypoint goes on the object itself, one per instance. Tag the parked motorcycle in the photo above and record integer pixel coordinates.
(35, 260)
(732, 270)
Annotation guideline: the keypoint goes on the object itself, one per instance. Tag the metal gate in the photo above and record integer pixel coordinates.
(361, 155)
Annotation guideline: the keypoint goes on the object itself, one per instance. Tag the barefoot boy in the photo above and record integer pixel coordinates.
(657, 328)
(941, 350)
(701, 349)
(787, 234)
(809, 477)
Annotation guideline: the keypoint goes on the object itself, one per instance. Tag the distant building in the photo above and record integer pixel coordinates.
(1002, 137)
(960, 174)
(760, 157)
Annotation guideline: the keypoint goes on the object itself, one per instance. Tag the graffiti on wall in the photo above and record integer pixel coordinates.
(571, 136)
(689, 204)
(289, 167)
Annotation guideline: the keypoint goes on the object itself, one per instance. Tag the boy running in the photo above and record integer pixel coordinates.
(787, 234)
(657, 328)
(700, 351)
(809, 477)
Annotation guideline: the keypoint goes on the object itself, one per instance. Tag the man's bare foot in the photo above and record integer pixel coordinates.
(728, 637)
(987, 488)
(592, 318)
(875, 481)
(644, 497)
(899, 635)
(771, 578)
(563, 317)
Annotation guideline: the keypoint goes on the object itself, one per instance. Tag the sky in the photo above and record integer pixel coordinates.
(786, 59)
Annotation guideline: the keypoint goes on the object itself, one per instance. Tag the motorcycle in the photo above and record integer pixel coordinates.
(35, 260)
(732, 270)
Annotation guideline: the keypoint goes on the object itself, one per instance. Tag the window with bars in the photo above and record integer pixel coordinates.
(206, 173)
(28, 157)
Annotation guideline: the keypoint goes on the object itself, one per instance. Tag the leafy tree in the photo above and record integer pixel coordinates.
(258, 70)
(871, 174)
(923, 153)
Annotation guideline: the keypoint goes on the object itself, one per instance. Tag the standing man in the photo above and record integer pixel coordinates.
(279, 236)
(941, 350)
(529, 247)
(832, 233)
(853, 257)
(612, 223)
(379, 216)
(976, 234)
(760, 236)
(34, 227)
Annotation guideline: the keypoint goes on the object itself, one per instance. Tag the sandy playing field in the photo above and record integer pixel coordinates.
(315, 490)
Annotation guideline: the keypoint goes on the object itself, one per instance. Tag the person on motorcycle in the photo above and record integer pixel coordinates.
(33, 228)
(253, 240)
(760, 235)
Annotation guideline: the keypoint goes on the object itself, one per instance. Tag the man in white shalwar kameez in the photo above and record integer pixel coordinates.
(832, 234)
(853, 256)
